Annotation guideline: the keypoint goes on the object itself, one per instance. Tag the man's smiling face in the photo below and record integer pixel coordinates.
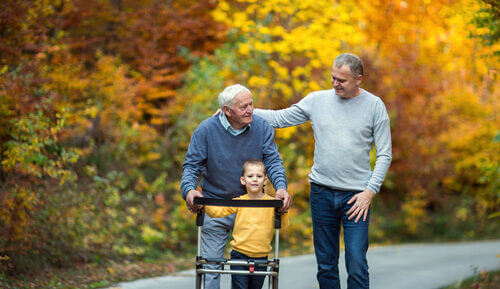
(345, 85)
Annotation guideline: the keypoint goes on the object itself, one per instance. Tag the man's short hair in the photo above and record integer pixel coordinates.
(352, 61)
(255, 162)
(226, 97)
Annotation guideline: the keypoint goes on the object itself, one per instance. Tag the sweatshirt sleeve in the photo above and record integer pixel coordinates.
(219, 212)
(294, 115)
(382, 140)
(272, 160)
(194, 162)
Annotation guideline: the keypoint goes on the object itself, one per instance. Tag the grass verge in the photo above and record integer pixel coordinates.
(95, 275)
(480, 280)
(92, 276)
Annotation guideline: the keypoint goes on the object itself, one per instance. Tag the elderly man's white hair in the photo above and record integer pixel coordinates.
(226, 97)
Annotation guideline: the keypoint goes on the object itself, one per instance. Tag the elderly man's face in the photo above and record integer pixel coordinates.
(239, 114)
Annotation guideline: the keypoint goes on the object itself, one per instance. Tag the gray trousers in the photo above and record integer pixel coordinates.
(215, 233)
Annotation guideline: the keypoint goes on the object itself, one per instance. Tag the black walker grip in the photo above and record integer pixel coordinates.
(199, 217)
(277, 219)
(239, 203)
(276, 204)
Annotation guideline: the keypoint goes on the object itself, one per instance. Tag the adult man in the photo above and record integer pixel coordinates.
(219, 147)
(346, 121)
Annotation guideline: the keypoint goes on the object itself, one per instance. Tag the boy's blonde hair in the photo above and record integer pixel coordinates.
(255, 162)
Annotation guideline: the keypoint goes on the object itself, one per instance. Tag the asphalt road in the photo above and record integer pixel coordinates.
(416, 266)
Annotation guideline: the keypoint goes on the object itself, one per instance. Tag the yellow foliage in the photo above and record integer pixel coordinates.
(257, 81)
(418, 54)
(415, 215)
(462, 214)
(475, 120)
(151, 236)
(244, 49)
(285, 29)
(286, 133)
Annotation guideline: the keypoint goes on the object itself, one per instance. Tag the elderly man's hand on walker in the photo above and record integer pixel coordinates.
(361, 206)
(282, 194)
(190, 200)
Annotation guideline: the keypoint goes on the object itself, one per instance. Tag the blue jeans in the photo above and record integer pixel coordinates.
(328, 210)
(246, 281)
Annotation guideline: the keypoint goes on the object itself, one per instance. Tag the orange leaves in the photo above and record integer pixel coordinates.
(153, 41)
(97, 167)
(87, 111)
(440, 86)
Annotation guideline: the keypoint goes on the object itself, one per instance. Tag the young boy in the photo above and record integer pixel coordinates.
(253, 227)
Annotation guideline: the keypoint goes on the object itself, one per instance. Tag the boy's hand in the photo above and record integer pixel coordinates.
(190, 200)
(282, 194)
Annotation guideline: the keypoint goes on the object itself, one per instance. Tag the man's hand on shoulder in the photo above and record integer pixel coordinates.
(282, 194)
(362, 202)
(190, 200)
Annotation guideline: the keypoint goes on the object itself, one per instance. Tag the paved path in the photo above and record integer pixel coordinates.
(424, 266)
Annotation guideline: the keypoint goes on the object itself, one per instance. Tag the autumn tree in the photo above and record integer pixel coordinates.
(85, 90)
(420, 60)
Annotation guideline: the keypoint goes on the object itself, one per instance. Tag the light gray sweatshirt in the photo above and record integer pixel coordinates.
(344, 131)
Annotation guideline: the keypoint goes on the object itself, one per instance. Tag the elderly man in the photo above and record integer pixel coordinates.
(346, 121)
(219, 147)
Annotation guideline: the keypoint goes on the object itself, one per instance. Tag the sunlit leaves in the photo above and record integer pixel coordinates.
(88, 109)
(34, 149)
(440, 86)
(488, 21)
(98, 99)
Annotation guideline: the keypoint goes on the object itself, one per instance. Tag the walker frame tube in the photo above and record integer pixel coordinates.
(273, 265)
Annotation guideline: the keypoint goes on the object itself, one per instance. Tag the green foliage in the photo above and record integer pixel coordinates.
(98, 100)
(88, 126)
(488, 18)
(33, 148)
(480, 280)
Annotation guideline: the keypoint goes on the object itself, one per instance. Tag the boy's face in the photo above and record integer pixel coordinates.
(254, 178)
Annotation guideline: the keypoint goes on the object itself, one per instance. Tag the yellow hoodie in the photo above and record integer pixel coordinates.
(253, 228)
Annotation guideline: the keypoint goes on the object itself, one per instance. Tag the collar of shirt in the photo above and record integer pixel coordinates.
(225, 123)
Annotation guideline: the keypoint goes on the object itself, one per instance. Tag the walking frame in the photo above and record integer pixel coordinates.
(272, 265)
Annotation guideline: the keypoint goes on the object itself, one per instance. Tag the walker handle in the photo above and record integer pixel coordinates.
(276, 204)
(239, 203)
(199, 217)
